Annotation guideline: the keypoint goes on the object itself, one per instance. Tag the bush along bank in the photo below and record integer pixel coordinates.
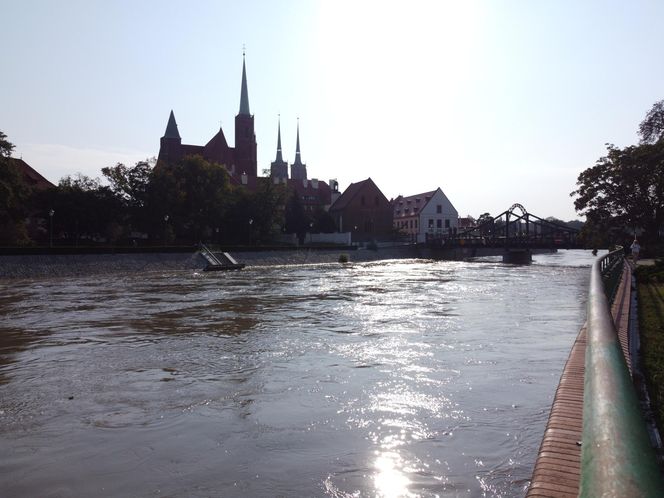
(650, 282)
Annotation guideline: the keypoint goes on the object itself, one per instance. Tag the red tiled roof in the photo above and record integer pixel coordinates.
(347, 196)
(30, 175)
(401, 202)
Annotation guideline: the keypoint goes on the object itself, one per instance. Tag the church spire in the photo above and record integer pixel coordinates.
(279, 156)
(244, 93)
(172, 127)
(298, 170)
(298, 160)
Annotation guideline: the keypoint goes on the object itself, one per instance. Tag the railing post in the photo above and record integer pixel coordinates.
(617, 459)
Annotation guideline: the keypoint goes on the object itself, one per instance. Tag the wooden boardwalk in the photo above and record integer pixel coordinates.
(558, 466)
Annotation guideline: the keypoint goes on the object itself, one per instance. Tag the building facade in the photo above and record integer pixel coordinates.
(363, 210)
(239, 160)
(426, 215)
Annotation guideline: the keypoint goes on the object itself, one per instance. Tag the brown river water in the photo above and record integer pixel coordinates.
(390, 378)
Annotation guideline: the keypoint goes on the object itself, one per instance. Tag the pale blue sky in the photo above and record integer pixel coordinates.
(496, 102)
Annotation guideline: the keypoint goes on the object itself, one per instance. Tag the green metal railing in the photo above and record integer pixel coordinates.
(617, 458)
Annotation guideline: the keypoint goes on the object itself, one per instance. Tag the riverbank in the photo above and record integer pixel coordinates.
(69, 265)
(651, 322)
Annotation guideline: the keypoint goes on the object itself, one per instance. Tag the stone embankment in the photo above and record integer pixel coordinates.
(70, 265)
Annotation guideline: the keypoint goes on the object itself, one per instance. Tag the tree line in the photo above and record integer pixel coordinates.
(622, 195)
(186, 203)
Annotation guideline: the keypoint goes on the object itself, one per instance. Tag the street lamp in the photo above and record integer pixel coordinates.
(165, 227)
(50, 217)
(251, 222)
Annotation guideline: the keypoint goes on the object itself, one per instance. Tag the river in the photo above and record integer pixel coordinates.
(391, 378)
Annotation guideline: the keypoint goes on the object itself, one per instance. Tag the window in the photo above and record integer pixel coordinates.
(362, 201)
(415, 223)
(439, 223)
(447, 223)
(439, 209)
(430, 223)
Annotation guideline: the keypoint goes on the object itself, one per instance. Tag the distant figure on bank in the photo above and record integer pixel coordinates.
(636, 248)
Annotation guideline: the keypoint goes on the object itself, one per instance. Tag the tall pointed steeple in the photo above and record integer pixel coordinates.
(279, 168)
(298, 159)
(244, 93)
(279, 159)
(172, 127)
(298, 169)
(245, 137)
(170, 145)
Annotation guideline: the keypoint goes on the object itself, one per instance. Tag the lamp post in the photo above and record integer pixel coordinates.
(251, 222)
(165, 228)
(50, 237)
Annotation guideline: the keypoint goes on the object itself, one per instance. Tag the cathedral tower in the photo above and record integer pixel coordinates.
(170, 143)
(298, 170)
(279, 167)
(245, 137)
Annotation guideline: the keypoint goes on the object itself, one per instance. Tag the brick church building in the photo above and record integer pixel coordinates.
(241, 160)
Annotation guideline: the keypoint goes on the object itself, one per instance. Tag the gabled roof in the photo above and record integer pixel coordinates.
(30, 176)
(218, 140)
(412, 200)
(349, 194)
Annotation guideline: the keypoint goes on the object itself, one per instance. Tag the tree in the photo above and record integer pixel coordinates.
(14, 195)
(485, 223)
(6, 147)
(84, 211)
(194, 194)
(130, 184)
(651, 128)
(297, 220)
(324, 222)
(625, 189)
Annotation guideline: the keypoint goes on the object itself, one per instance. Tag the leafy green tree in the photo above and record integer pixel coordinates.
(323, 222)
(296, 218)
(266, 208)
(85, 212)
(14, 196)
(486, 224)
(651, 128)
(625, 189)
(132, 185)
(6, 147)
(193, 194)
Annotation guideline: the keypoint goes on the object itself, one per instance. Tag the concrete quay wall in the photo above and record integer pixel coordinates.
(71, 265)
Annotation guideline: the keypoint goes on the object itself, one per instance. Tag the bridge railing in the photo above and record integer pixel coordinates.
(617, 458)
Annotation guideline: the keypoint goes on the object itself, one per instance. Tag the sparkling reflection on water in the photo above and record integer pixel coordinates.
(394, 378)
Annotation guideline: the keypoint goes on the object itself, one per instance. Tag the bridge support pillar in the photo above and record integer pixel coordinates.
(517, 256)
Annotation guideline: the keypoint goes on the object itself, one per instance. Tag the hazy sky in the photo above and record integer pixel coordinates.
(496, 102)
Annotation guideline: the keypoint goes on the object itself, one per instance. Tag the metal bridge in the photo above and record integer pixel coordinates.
(516, 231)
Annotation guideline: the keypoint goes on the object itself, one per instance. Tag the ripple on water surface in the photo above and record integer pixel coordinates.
(393, 378)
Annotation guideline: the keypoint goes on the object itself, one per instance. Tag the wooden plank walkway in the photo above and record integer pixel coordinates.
(557, 469)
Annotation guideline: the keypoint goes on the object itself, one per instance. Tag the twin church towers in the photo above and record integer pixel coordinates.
(240, 161)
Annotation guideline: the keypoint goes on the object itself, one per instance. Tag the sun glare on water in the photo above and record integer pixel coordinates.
(390, 480)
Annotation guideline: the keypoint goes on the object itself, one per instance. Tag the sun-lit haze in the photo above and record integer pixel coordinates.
(495, 102)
